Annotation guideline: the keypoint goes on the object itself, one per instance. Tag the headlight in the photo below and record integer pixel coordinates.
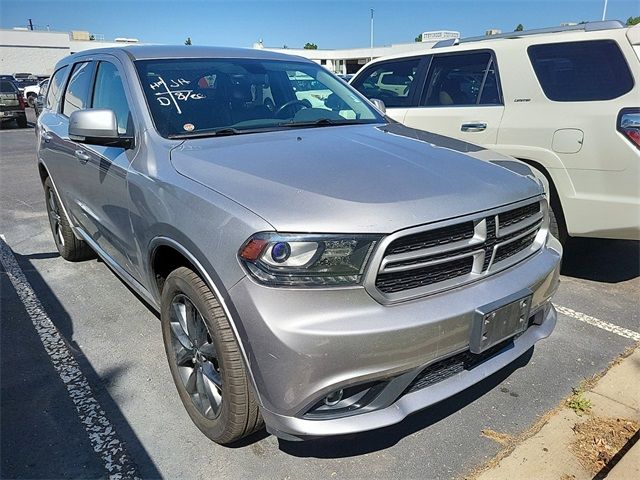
(307, 260)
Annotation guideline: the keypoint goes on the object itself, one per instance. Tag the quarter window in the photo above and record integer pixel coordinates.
(109, 93)
(461, 79)
(77, 94)
(390, 82)
(55, 88)
(581, 71)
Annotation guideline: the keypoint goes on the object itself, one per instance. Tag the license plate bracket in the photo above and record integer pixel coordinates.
(498, 321)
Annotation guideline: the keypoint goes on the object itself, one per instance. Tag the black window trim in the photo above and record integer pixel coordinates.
(92, 80)
(424, 61)
(622, 53)
(493, 59)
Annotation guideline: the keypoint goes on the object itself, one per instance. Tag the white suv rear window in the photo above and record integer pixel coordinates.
(581, 71)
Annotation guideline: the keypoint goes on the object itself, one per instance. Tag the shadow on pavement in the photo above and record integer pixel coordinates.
(367, 442)
(601, 260)
(42, 435)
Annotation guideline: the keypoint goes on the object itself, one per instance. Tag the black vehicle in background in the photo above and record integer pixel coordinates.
(12, 105)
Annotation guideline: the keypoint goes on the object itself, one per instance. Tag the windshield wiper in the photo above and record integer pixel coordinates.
(220, 132)
(322, 122)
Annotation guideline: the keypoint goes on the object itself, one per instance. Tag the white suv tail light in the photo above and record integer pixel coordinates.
(629, 124)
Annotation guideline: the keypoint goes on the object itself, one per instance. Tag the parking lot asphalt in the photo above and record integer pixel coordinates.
(117, 343)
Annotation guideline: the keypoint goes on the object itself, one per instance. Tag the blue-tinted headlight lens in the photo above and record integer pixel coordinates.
(280, 252)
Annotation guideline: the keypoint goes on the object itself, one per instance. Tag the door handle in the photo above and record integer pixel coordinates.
(80, 155)
(47, 137)
(473, 127)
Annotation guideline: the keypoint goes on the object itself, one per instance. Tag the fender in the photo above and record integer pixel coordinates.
(215, 284)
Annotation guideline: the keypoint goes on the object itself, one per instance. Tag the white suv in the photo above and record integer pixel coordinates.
(564, 100)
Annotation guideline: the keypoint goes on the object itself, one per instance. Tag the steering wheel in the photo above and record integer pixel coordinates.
(290, 103)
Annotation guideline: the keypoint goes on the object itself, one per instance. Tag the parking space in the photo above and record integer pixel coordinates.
(117, 344)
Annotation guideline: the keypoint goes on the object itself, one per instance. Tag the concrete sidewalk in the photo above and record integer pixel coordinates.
(593, 435)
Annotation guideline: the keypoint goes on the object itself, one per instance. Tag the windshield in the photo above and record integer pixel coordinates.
(194, 97)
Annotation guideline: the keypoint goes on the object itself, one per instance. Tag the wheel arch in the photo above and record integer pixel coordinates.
(175, 255)
(554, 200)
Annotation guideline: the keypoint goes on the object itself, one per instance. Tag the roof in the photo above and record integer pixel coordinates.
(146, 52)
(447, 46)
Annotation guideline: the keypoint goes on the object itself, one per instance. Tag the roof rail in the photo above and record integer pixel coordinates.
(587, 27)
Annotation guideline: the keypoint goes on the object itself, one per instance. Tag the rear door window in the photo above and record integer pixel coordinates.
(581, 71)
(462, 80)
(55, 88)
(392, 81)
(76, 97)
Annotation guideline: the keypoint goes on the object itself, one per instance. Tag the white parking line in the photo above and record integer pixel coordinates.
(100, 431)
(609, 327)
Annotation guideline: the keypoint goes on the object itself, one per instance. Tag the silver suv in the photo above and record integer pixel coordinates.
(317, 267)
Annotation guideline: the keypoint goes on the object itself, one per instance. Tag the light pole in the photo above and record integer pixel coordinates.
(604, 11)
(371, 43)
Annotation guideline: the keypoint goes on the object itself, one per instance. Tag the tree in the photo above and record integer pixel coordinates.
(519, 28)
(285, 46)
(310, 46)
(187, 41)
(418, 38)
(633, 21)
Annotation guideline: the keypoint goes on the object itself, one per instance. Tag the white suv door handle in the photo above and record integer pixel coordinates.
(473, 127)
(80, 155)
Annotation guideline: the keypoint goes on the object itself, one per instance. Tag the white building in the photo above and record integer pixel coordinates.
(350, 60)
(37, 51)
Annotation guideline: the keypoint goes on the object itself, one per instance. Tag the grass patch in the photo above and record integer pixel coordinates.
(578, 402)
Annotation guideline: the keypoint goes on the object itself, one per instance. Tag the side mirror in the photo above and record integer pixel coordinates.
(379, 104)
(97, 127)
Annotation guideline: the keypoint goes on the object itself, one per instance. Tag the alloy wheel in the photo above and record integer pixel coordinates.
(196, 356)
(54, 217)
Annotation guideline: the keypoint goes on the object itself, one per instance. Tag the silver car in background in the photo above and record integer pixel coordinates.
(317, 267)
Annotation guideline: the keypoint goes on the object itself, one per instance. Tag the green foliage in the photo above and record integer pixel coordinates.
(633, 21)
(418, 38)
(187, 41)
(578, 402)
(519, 28)
(310, 46)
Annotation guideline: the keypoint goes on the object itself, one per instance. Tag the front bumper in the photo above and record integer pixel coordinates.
(304, 344)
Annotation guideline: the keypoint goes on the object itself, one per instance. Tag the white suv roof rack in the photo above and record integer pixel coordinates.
(587, 27)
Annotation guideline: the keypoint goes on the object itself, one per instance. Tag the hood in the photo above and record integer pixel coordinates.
(351, 179)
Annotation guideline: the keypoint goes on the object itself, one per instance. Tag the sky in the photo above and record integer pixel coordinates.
(329, 23)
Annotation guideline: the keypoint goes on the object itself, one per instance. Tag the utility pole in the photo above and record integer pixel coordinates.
(372, 28)
(30, 25)
(604, 12)
(371, 44)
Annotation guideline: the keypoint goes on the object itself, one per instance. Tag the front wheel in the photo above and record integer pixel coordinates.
(205, 360)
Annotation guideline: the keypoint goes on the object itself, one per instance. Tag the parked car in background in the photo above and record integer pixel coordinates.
(42, 91)
(12, 106)
(31, 92)
(320, 269)
(347, 78)
(565, 100)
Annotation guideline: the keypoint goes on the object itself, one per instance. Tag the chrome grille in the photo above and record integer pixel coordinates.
(433, 259)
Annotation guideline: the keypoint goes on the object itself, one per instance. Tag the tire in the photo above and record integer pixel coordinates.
(556, 222)
(22, 121)
(205, 360)
(69, 247)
